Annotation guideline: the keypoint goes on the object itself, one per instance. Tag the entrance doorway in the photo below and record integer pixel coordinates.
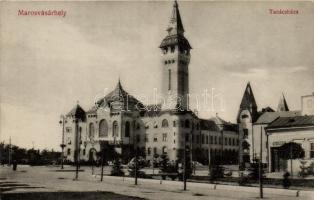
(278, 164)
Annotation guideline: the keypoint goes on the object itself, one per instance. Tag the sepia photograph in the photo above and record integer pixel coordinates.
(156, 99)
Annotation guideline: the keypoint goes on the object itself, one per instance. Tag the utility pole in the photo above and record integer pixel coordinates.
(102, 161)
(291, 159)
(10, 151)
(261, 167)
(76, 148)
(184, 164)
(135, 149)
(62, 121)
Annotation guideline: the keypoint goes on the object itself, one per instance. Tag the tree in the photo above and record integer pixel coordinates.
(167, 168)
(291, 150)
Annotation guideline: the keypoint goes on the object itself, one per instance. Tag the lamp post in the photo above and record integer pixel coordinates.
(261, 167)
(62, 145)
(77, 147)
(184, 164)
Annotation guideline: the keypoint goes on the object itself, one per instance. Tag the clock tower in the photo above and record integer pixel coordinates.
(175, 64)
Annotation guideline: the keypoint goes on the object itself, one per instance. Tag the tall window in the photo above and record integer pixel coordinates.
(174, 123)
(245, 133)
(155, 150)
(115, 127)
(187, 123)
(103, 128)
(149, 151)
(312, 150)
(164, 123)
(127, 129)
(169, 78)
(138, 138)
(164, 137)
(91, 130)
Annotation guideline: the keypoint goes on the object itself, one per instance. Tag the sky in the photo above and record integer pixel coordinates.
(48, 63)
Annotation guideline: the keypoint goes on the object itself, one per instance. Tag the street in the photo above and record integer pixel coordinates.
(49, 179)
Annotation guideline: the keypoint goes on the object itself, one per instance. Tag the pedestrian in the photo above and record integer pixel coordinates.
(286, 181)
(14, 165)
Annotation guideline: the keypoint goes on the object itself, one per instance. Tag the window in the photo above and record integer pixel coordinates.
(127, 129)
(203, 139)
(68, 129)
(69, 151)
(220, 140)
(146, 138)
(164, 123)
(91, 130)
(230, 142)
(226, 141)
(169, 79)
(84, 152)
(115, 127)
(103, 128)
(164, 150)
(187, 123)
(155, 150)
(138, 138)
(245, 133)
(312, 150)
(215, 140)
(164, 137)
(155, 138)
(172, 48)
(187, 137)
(149, 151)
(206, 139)
(211, 139)
(174, 123)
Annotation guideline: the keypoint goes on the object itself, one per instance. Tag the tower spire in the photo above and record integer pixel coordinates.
(282, 105)
(175, 25)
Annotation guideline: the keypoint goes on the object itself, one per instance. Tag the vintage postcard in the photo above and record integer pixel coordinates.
(156, 100)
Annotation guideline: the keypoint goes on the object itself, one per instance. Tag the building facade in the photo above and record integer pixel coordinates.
(121, 121)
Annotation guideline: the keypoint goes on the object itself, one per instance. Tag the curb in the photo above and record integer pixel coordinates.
(278, 191)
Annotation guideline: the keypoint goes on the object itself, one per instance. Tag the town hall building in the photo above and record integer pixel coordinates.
(123, 122)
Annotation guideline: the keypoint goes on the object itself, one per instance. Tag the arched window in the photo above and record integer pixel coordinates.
(127, 129)
(187, 123)
(103, 128)
(164, 123)
(91, 130)
(115, 128)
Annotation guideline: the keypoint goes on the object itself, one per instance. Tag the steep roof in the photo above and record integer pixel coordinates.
(248, 102)
(77, 112)
(175, 31)
(297, 121)
(217, 124)
(282, 105)
(268, 117)
(118, 95)
(175, 25)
